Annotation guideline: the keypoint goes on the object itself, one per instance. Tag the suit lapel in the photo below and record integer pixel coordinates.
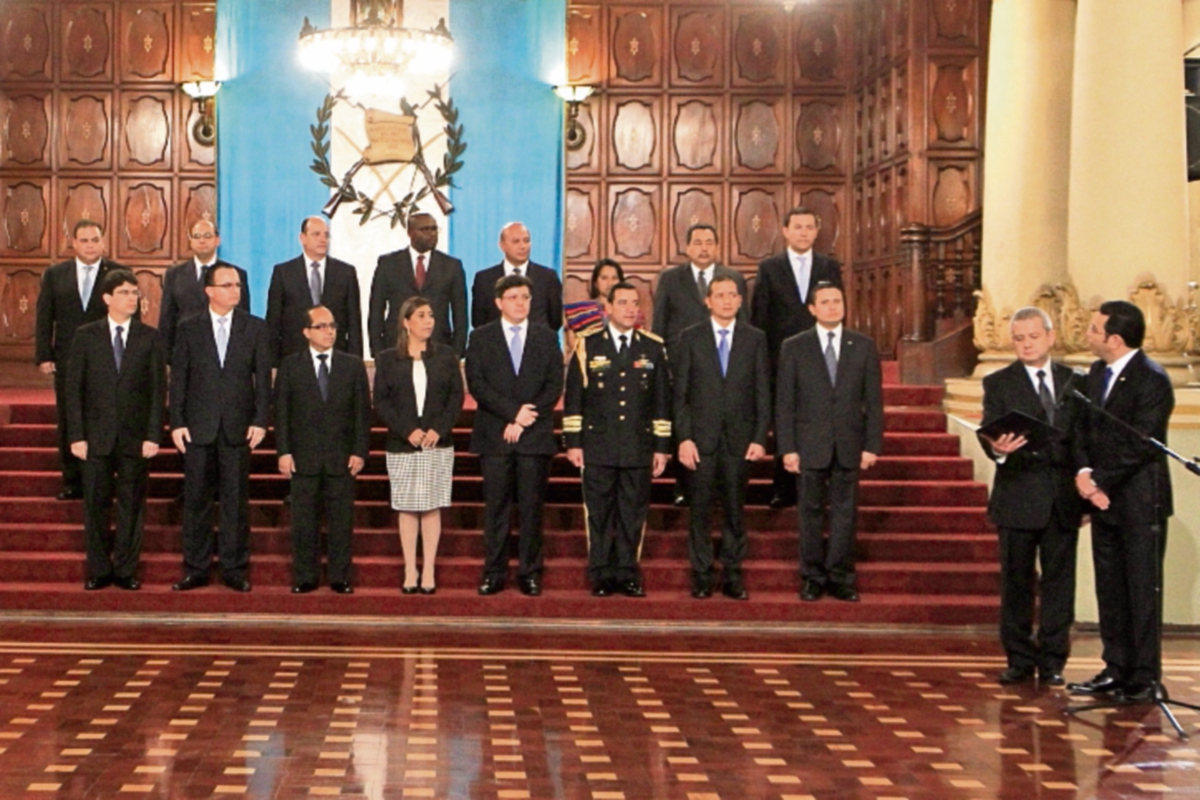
(818, 352)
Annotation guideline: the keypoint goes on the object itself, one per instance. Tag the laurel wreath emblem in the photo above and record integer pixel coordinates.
(399, 212)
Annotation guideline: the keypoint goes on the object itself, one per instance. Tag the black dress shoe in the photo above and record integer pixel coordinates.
(128, 584)
(633, 589)
(1051, 677)
(530, 587)
(92, 584)
(415, 589)
(342, 587)
(491, 586)
(844, 593)
(304, 588)
(190, 582)
(779, 501)
(1015, 675)
(70, 494)
(812, 590)
(735, 590)
(427, 590)
(701, 586)
(1135, 693)
(602, 589)
(1102, 683)
(237, 584)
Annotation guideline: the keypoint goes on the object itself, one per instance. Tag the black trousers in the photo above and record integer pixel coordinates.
(1020, 551)
(616, 500)
(336, 494)
(724, 475)
(783, 485)
(1126, 561)
(72, 467)
(832, 561)
(121, 478)
(503, 476)
(205, 467)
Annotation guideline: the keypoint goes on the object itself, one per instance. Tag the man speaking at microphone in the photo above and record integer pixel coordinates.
(1034, 503)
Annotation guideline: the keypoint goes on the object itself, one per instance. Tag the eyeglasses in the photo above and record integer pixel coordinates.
(127, 293)
(230, 285)
(323, 326)
(205, 236)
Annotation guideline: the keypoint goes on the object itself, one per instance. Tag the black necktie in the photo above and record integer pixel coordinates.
(701, 284)
(323, 375)
(624, 344)
(119, 347)
(1045, 396)
(517, 271)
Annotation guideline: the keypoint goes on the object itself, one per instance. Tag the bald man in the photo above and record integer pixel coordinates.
(183, 284)
(546, 304)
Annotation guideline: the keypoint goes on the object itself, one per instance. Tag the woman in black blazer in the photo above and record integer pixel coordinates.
(419, 395)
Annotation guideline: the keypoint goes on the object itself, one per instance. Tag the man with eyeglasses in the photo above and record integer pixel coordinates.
(183, 284)
(220, 396)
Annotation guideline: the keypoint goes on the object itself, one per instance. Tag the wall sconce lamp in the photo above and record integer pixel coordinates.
(203, 94)
(574, 95)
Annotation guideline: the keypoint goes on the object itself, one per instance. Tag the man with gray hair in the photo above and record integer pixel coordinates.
(1034, 503)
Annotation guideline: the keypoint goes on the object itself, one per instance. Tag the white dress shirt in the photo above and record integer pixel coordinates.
(1117, 368)
(824, 332)
(802, 270)
(316, 362)
(1046, 370)
(707, 272)
(420, 380)
(716, 326)
(79, 276)
(112, 330)
(509, 267)
(228, 322)
(201, 267)
(508, 332)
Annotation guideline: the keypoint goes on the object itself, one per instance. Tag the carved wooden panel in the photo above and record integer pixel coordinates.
(146, 130)
(584, 159)
(826, 202)
(145, 41)
(950, 103)
(634, 222)
(819, 136)
(757, 136)
(696, 134)
(197, 41)
(87, 42)
(581, 225)
(84, 133)
(150, 287)
(636, 46)
(197, 201)
(953, 195)
(635, 135)
(81, 198)
(25, 130)
(756, 226)
(143, 218)
(691, 205)
(759, 44)
(25, 41)
(899, 109)
(192, 154)
(953, 21)
(585, 48)
(699, 47)
(26, 217)
(19, 289)
(819, 47)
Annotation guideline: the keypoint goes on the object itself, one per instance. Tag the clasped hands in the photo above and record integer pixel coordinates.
(525, 417)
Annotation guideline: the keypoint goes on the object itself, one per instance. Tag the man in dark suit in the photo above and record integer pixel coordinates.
(514, 372)
(617, 419)
(1034, 503)
(781, 291)
(419, 269)
(829, 426)
(722, 414)
(313, 279)
(183, 284)
(67, 300)
(116, 386)
(322, 431)
(1127, 485)
(220, 397)
(546, 302)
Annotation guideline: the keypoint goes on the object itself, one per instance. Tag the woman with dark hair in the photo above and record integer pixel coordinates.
(584, 316)
(419, 395)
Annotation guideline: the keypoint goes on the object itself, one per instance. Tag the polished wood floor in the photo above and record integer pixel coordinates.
(128, 707)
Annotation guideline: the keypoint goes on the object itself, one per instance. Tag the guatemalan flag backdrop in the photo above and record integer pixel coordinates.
(508, 55)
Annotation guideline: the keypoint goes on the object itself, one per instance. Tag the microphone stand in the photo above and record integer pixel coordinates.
(1158, 695)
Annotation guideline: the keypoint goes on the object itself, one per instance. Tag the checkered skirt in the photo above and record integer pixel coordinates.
(421, 481)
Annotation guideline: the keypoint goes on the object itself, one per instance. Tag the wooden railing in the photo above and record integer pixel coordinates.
(942, 271)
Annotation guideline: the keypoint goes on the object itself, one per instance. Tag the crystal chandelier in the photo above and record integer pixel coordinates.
(374, 53)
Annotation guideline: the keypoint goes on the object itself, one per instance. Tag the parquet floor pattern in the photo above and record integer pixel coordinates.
(158, 712)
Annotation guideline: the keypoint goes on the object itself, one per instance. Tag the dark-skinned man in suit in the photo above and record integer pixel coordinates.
(545, 304)
(1034, 504)
(722, 406)
(183, 284)
(220, 399)
(322, 432)
(313, 278)
(515, 373)
(829, 426)
(781, 291)
(68, 299)
(1127, 489)
(419, 269)
(116, 387)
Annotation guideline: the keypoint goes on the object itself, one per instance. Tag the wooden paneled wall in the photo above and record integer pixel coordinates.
(93, 124)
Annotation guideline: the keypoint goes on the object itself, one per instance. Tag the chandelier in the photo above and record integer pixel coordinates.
(373, 54)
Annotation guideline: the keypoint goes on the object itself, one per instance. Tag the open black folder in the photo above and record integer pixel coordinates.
(1037, 433)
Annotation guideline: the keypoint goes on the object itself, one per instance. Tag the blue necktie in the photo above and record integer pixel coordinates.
(88, 282)
(119, 347)
(1108, 374)
(222, 340)
(515, 348)
(723, 351)
(323, 375)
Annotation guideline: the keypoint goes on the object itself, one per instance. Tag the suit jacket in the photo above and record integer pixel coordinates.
(545, 305)
(396, 398)
(678, 304)
(817, 419)
(289, 297)
(321, 435)
(111, 410)
(708, 405)
(777, 308)
(1033, 485)
(500, 392)
(1124, 468)
(395, 281)
(207, 398)
(59, 312)
(183, 295)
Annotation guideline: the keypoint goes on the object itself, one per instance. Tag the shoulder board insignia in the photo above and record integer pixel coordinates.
(654, 337)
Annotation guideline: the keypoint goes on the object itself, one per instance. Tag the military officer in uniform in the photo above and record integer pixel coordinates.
(616, 422)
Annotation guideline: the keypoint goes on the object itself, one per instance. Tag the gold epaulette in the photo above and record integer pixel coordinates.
(662, 428)
(654, 337)
(573, 423)
(581, 357)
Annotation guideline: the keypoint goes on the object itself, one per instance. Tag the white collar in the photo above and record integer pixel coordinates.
(1047, 370)
(706, 271)
(215, 316)
(1120, 364)
(509, 267)
(312, 351)
(716, 326)
(824, 332)
(616, 335)
(79, 265)
(308, 262)
(125, 326)
(200, 265)
(508, 326)
(793, 255)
